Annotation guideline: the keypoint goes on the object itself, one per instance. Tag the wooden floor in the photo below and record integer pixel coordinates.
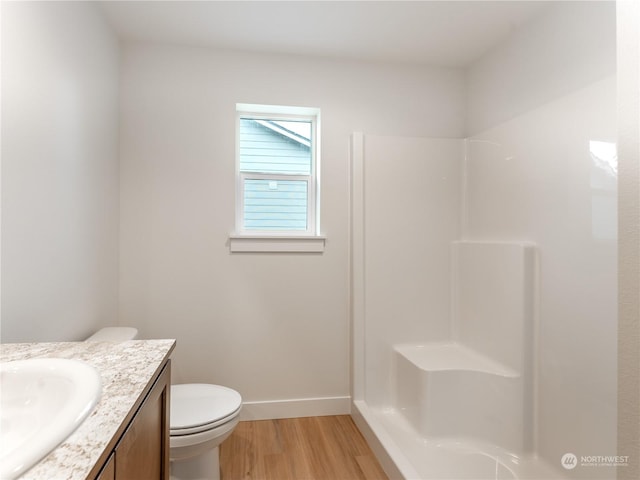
(313, 448)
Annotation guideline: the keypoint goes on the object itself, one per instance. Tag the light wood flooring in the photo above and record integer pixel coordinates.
(312, 448)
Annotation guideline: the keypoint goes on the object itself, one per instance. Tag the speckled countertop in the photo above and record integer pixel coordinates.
(126, 369)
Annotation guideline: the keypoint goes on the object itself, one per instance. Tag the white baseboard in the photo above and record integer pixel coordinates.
(294, 408)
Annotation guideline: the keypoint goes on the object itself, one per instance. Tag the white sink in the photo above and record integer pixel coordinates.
(42, 401)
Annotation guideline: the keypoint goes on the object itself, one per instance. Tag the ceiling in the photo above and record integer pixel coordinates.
(447, 33)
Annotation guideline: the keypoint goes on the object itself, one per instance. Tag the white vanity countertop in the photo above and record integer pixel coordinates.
(126, 369)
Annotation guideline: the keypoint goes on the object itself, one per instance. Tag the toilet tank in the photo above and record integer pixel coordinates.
(114, 334)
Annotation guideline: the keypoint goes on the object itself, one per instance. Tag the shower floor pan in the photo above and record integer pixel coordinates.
(407, 454)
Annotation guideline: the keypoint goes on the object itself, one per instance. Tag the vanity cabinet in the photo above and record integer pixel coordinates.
(142, 450)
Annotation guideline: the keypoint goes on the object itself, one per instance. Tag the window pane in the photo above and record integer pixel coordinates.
(275, 204)
(269, 146)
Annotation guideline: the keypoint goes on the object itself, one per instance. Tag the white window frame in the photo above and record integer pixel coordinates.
(252, 240)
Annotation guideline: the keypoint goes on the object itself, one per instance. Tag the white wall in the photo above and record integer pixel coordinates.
(567, 46)
(533, 174)
(628, 16)
(59, 171)
(273, 326)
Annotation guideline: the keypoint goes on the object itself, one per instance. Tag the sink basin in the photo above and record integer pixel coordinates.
(42, 401)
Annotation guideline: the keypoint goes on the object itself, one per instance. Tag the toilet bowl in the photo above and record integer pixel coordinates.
(202, 416)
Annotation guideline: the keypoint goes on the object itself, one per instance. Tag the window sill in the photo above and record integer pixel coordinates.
(276, 244)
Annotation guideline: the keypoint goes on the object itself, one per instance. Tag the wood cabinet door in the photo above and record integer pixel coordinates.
(109, 470)
(143, 451)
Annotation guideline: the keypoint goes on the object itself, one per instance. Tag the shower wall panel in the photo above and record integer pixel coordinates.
(550, 177)
(411, 214)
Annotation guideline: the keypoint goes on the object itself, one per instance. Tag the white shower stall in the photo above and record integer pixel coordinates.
(483, 269)
(451, 389)
(446, 327)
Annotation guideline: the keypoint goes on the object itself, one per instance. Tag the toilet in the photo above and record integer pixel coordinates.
(202, 416)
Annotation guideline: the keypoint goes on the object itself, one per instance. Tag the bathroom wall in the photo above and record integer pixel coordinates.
(59, 171)
(628, 83)
(541, 167)
(567, 46)
(273, 326)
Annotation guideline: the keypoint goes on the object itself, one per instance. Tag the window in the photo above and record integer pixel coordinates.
(277, 164)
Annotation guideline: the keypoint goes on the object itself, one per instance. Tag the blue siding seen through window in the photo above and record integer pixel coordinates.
(281, 151)
(275, 204)
(271, 147)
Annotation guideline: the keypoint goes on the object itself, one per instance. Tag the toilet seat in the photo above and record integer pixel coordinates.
(203, 428)
(198, 407)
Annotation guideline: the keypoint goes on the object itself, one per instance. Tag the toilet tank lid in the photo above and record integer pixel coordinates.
(114, 334)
